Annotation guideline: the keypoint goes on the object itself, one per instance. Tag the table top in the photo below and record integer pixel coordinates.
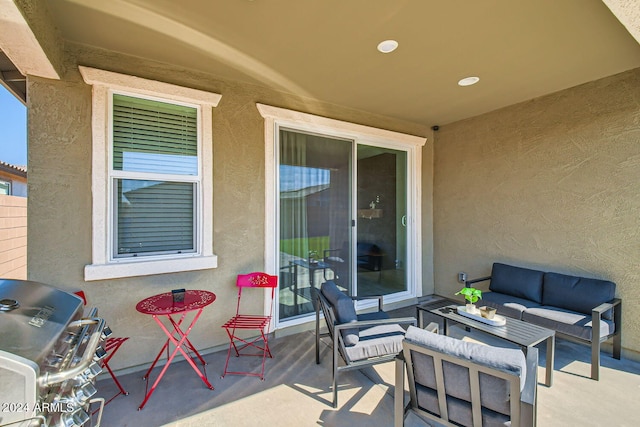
(311, 265)
(163, 303)
(515, 331)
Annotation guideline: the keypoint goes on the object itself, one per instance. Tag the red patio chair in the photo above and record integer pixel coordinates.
(111, 346)
(258, 323)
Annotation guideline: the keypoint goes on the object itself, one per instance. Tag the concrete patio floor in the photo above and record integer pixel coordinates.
(296, 392)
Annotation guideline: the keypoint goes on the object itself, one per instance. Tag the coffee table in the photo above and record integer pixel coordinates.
(524, 334)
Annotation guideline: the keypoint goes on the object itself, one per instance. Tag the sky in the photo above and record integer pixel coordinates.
(13, 129)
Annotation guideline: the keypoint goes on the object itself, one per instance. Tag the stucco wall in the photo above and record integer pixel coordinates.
(553, 184)
(60, 195)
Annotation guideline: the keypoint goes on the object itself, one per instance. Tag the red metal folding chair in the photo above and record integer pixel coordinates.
(111, 346)
(256, 323)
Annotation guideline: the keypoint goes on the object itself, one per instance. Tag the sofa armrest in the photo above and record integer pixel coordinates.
(614, 303)
(472, 281)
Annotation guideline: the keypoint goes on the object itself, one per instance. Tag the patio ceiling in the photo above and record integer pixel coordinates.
(12, 79)
(326, 49)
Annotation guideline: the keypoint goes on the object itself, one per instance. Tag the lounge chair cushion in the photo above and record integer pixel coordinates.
(344, 310)
(529, 282)
(494, 392)
(377, 341)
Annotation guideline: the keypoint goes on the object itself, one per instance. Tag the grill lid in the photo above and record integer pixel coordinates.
(33, 316)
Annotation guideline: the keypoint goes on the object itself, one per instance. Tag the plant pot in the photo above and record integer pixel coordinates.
(472, 309)
(487, 312)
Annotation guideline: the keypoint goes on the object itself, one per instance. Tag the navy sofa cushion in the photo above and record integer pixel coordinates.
(507, 305)
(567, 322)
(577, 293)
(517, 281)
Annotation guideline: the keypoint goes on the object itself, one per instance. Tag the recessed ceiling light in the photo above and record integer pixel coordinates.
(468, 81)
(387, 46)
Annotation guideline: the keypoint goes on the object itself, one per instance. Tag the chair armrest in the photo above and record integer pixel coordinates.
(472, 281)
(377, 322)
(378, 297)
(529, 390)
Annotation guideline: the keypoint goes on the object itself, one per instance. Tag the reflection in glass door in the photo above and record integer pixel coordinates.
(315, 217)
(381, 247)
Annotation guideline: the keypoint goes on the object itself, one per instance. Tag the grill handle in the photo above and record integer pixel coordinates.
(53, 378)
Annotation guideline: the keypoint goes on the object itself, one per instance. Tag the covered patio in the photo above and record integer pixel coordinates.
(296, 391)
(538, 164)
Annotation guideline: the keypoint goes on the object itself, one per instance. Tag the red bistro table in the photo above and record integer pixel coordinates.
(163, 305)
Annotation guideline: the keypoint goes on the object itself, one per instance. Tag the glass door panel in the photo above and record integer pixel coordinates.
(315, 217)
(381, 247)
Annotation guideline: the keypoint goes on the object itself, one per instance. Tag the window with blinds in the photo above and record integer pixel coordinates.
(155, 177)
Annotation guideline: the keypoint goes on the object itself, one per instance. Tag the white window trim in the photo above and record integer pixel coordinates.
(103, 266)
(276, 118)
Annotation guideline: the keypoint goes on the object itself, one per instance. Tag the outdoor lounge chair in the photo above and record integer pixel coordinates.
(359, 340)
(459, 383)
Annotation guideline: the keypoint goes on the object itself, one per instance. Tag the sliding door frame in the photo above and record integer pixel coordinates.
(276, 118)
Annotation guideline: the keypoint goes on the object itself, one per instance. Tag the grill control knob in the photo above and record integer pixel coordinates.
(100, 353)
(89, 374)
(92, 371)
(76, 418)
(106, 332)
(84, 392)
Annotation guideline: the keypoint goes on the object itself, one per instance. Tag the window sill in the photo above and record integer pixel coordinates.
(148, 267)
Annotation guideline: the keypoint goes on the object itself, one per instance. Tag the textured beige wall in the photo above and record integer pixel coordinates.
(60, 195)
(552, 183)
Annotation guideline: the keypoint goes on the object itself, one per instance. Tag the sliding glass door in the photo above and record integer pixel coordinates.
(342, 216)
(315, 181)
(381, 246)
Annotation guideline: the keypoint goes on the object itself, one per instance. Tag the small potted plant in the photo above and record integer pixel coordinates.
(472, 295)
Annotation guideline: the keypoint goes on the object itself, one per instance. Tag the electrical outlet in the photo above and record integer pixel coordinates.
(462, 277)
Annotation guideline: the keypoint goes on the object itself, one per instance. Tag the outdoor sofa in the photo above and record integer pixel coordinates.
(577, 308)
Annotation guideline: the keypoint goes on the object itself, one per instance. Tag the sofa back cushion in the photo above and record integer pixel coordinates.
(343, 309)
(517, 281)
(576, 293)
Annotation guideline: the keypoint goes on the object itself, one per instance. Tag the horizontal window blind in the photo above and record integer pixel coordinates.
(154, 136)
(154, 217)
